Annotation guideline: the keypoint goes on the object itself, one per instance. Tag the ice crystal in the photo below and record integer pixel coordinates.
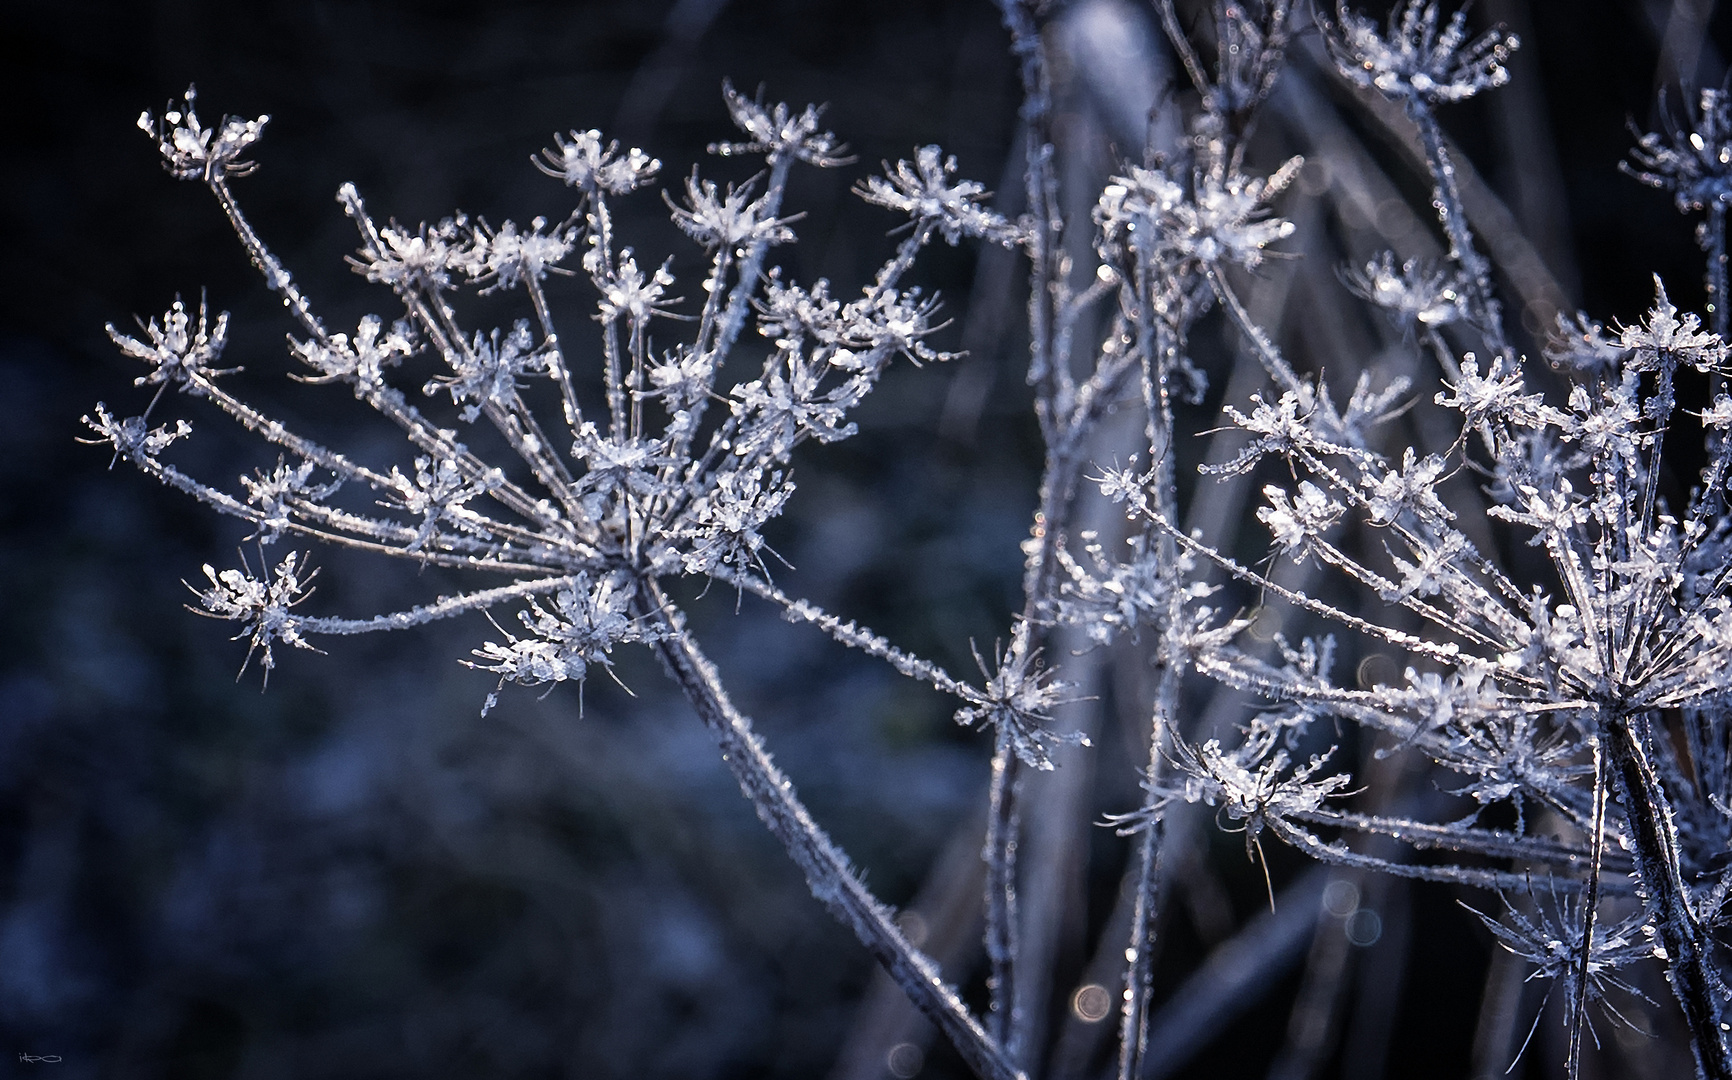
(728, 217)
(1413, 58)
(778, 131)
(1667, 339)
(179, 351)
(1018, 699)
(192, 152)
(1108, 597)
(423, 259)
(261, 605)
(927, 190)
(362, 360)
(131, 436)
(489, 372)
(1254, 786)
(1294, 523)
(1495, 399)
(1580, 343)
(1429, 296)
(563, 641)
(1692, 159)
(584, 162)
(1217, 219)
(274, 493)
(1550, 938)
(501, 258)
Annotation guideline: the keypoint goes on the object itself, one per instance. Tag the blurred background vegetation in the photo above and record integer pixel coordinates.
(352, 874)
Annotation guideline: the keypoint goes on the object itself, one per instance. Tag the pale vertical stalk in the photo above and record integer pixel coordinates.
(1237, 975)
(708, 323)
(1381, 972)
(556, 355)
(1312, 1023)
(1714, 243)
(1030, 637)
(1133, 1025)
(1043, 241)
(1139, 957)
(601, 230)
(1499, 1015)
(1050, 378)
(1001, 922)
(1056, 807)
(1590, 911)
(616, 404)
(740, 300)
(1719, 287)
(1159, 349)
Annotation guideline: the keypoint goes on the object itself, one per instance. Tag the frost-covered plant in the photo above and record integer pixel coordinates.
(1693, 160)
(1551, 939)
(591, 512)
(1165, 230)
(1539, 694)
(1544, 694)
(1584, 701)
(1418, 65)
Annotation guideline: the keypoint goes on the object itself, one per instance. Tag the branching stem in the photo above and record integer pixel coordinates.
(828, 873)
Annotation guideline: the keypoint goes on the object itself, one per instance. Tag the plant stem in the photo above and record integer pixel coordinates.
(1159, 349)
(1446, 200)
(1134, 1021)
(1714, 243)
(1654, 841)
(1719, 288)
(1590, 910)
(827, 871)
(1002, 827)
